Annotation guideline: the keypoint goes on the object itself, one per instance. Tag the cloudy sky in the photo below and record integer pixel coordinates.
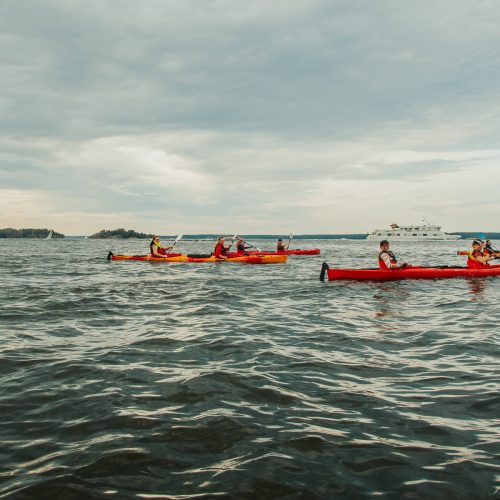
(253, 117)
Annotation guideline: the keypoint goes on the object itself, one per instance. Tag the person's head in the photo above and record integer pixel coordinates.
(384, 245)
(280, 241)
(477, 244)
(221, 239)
(488, 242)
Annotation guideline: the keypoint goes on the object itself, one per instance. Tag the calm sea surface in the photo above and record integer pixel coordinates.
(183, 381)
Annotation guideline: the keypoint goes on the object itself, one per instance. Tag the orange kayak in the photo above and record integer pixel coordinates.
(245, 259)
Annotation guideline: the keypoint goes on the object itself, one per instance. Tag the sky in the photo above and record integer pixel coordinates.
(334, 116)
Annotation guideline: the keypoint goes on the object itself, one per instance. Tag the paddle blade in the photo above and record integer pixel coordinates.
(179, 238)
(324, 270)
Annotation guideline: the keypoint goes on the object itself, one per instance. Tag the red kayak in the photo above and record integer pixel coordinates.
(298, 251)
(408, 273)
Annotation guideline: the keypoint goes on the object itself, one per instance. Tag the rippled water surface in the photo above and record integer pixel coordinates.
(139, 380)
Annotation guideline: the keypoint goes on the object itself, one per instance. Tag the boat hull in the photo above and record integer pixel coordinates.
(247, 259)
(410, 273)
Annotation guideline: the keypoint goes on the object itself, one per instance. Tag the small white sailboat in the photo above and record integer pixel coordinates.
(49, 236)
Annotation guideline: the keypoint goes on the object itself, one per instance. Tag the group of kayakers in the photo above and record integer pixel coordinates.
(479, 255)
(220, 250)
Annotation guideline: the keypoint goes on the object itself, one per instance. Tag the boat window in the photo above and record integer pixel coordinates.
(399, 234)
(415, 234)
(435, 234)
(425, 234)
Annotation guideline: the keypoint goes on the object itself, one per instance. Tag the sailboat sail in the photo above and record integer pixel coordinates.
(49, 237)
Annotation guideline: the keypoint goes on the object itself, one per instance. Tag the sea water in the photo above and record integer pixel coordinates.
(141, 380)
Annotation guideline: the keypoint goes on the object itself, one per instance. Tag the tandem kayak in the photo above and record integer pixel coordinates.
(298, 251)
(245, 259)
(408, 273)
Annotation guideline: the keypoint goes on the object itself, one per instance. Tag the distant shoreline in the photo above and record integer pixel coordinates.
(353, 236)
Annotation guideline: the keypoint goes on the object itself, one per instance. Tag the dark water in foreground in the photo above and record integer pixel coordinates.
(138, 380)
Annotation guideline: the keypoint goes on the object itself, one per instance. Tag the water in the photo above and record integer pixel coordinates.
(139, 380)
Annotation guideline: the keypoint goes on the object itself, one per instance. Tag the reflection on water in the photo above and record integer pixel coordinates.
(477, 287)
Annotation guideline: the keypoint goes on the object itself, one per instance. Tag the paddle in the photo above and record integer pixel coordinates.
(179, 238)
(232, 241)
(251, 246)
(290, 238)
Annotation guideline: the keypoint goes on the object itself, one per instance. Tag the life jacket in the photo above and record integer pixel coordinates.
(240, 248)
(472, 259)
(488, 250)
(381, 263)
(161, 250)
(219, 250)
(280, 248)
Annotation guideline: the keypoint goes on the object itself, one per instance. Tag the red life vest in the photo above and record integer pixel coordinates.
(220, 250)
(472, 260)
(381, 263)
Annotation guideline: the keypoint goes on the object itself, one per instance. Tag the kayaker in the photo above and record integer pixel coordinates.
(241, 246)
(220, 251)
(478, 258)
(386, 259)
(156, 249)
(280, 247)
(489, 249)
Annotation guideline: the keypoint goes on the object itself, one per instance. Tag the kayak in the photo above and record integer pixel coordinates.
(298, 251)
(245, 259)
(408, 273)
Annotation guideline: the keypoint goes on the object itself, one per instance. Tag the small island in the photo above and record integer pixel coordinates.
(10, 232)
(119, 234)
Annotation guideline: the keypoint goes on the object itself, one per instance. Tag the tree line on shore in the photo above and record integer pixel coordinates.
(10, 232)
(119, 234)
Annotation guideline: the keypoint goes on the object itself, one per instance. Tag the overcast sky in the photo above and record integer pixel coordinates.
(249, 116)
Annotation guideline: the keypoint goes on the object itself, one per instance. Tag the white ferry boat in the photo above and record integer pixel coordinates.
(423, 232)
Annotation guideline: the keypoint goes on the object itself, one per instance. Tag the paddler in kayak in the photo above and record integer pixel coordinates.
(280, 247)
(477, 257)
(489, 249)
(156, 249)
(220, 251)
(241, 246)
(386, 258)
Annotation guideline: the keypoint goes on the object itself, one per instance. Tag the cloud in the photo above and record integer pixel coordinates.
(257, 115)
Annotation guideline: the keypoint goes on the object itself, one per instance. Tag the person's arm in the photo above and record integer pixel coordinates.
(483, 259)
(387, 260)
